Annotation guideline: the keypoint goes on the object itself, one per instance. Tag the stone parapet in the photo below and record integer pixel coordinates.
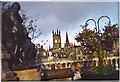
(28, 75)
(9, 76)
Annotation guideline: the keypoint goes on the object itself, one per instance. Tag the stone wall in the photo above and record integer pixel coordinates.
(28, 75)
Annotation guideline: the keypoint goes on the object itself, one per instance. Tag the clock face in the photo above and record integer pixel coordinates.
(55, 40)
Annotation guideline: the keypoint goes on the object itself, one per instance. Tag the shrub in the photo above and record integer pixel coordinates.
(105, 70)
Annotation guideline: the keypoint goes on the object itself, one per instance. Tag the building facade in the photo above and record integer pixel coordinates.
(56, 40)
(69, 51)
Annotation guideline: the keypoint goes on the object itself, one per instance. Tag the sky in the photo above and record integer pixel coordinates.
(68, 16)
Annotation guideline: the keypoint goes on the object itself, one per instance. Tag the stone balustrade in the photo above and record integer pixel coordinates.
(86, 63)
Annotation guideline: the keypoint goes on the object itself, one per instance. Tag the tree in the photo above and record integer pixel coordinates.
(90, 41)
(30, 25)
(5, 5)
(93, 41)
(28, 22)
(111, 35)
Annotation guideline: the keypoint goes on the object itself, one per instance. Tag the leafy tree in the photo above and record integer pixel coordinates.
(93, 41)
(30, 25)
(111, 35)
(5, 5)
(90, 41)
(28, 22)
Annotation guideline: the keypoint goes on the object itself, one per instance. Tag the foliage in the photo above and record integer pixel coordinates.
(5, 5)
(116, 52)
(103, 54)
(28, 22)
(30, 25)
(90, 41)
(100, 42)
(111, 35)
(105, 70)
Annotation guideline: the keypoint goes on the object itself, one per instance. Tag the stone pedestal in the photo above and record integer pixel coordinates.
(28, 75)
(7, 74)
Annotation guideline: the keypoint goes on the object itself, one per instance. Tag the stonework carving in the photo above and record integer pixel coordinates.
(16, 41)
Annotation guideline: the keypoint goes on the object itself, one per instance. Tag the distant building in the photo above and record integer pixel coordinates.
(56, 40)
(79, 55)
(67, 40)
(69, 51)
(41, 55)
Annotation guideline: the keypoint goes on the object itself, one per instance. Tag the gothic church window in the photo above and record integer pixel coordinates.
(78, 51)
(59, 41)
(55, 40)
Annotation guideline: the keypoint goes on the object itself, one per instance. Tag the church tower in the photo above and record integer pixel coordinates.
(67, 40)
(56, 39)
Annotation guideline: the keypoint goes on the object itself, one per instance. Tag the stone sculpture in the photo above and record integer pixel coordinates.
(16, 41)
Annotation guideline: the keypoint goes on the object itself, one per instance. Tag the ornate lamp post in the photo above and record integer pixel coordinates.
(97, 28)
(86, 23)
(98, 32)
(99, 20)
(94, 40)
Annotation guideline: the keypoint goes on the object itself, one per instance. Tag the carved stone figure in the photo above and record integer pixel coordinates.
(15, 39)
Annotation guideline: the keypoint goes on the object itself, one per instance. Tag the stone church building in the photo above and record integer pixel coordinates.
(68, 51)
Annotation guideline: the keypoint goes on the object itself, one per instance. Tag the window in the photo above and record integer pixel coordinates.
(79, 58)
(55, 40)
(70, 55)
(59, 46)
(64, 55)
(83, 57)
(44, 54)
(78, 51)
(56, 55)
(59, 41)
(63, 65)
(37, 52)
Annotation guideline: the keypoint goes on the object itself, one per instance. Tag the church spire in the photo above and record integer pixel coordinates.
(52, 31)
(67, 40)
(57, 30)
